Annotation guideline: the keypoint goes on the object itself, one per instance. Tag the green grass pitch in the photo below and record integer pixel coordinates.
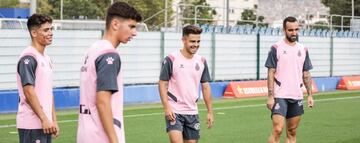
(334, 119)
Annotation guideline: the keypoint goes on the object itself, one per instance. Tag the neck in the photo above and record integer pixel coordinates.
(39, 47)
(108, 36)
(186, 54)
(289, 42)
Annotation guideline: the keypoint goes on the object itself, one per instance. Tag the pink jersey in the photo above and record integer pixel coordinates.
(289, 62)
(90, 130)
(41, 79)
(184, 76)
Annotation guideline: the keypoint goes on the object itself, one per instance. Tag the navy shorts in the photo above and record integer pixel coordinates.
(288, 108)
(33, 136)
(189, 125)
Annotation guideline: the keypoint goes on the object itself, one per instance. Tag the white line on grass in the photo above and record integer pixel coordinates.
(220, 108)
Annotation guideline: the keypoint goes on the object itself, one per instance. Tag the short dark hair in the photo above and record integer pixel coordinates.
(288, 19)
(36, 20)
(121, 10)
(191, 29)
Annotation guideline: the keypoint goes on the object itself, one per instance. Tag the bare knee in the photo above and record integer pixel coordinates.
(291, 131)
(277, 130)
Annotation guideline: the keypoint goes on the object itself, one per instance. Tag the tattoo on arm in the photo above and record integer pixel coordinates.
(270, 81)
(307, 82)
(166, 85)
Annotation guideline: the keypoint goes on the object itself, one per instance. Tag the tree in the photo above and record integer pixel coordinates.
(96, 9)
(320, 25)
(248, 17)
(148, 8)
(9, 3)
(204, 12)
(79, 9)
(43, 6)
(342, 7)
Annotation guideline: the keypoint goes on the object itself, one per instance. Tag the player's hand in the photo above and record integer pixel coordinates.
(57, 130)
(270, 103)
(210, 120)
(169, 114)
(310, 101)
(47, 126)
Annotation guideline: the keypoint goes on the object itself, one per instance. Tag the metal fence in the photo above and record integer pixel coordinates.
(229, 56)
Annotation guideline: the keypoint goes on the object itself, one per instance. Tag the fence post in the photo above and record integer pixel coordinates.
(331, 55)
(162, 48)
(257, 56)
(213, 56)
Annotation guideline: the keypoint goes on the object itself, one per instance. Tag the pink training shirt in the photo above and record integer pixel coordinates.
(100, 72)
(34, 69)
(184, 76)
(289, 62)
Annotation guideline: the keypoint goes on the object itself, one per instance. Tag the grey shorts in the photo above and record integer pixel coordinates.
(189, 125)
(33, 136)
(288, 108)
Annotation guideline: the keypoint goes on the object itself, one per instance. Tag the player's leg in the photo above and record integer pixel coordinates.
(295, 110)
(175, 136)
(175, 129)
(191, 129)
(291, 126)
(278, 114)
(278, 125)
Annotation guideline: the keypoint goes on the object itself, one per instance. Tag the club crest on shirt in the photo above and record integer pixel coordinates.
(26, 61)
(110, 60)
(42, 64)
(197, 67)
(299, 53)
(181, 66)
(284, 52)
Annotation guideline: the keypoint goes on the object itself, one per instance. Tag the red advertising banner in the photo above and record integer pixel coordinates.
(252, 89)
(349, 83)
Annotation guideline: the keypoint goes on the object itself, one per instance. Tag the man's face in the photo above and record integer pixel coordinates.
(126, 30)
(43, 34)
(291, 31)
(191, 43)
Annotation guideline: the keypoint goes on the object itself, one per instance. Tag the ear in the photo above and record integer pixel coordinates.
(114, 24)
(183, 38)
(33, 33)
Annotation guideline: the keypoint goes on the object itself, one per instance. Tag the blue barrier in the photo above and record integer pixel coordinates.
(66, 97)
(326, 83)
(9, 100)
(69, 97)
(141, 94)
(218, 89)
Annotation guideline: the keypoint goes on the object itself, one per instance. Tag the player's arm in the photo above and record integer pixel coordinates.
(55, 123)
(26, 69)
(103, 104)
(206, 90)
(107, 70)
(307, 79)
(307, 82)
(270, 82)
(163, 88)
(271, 63)
(165, 75)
